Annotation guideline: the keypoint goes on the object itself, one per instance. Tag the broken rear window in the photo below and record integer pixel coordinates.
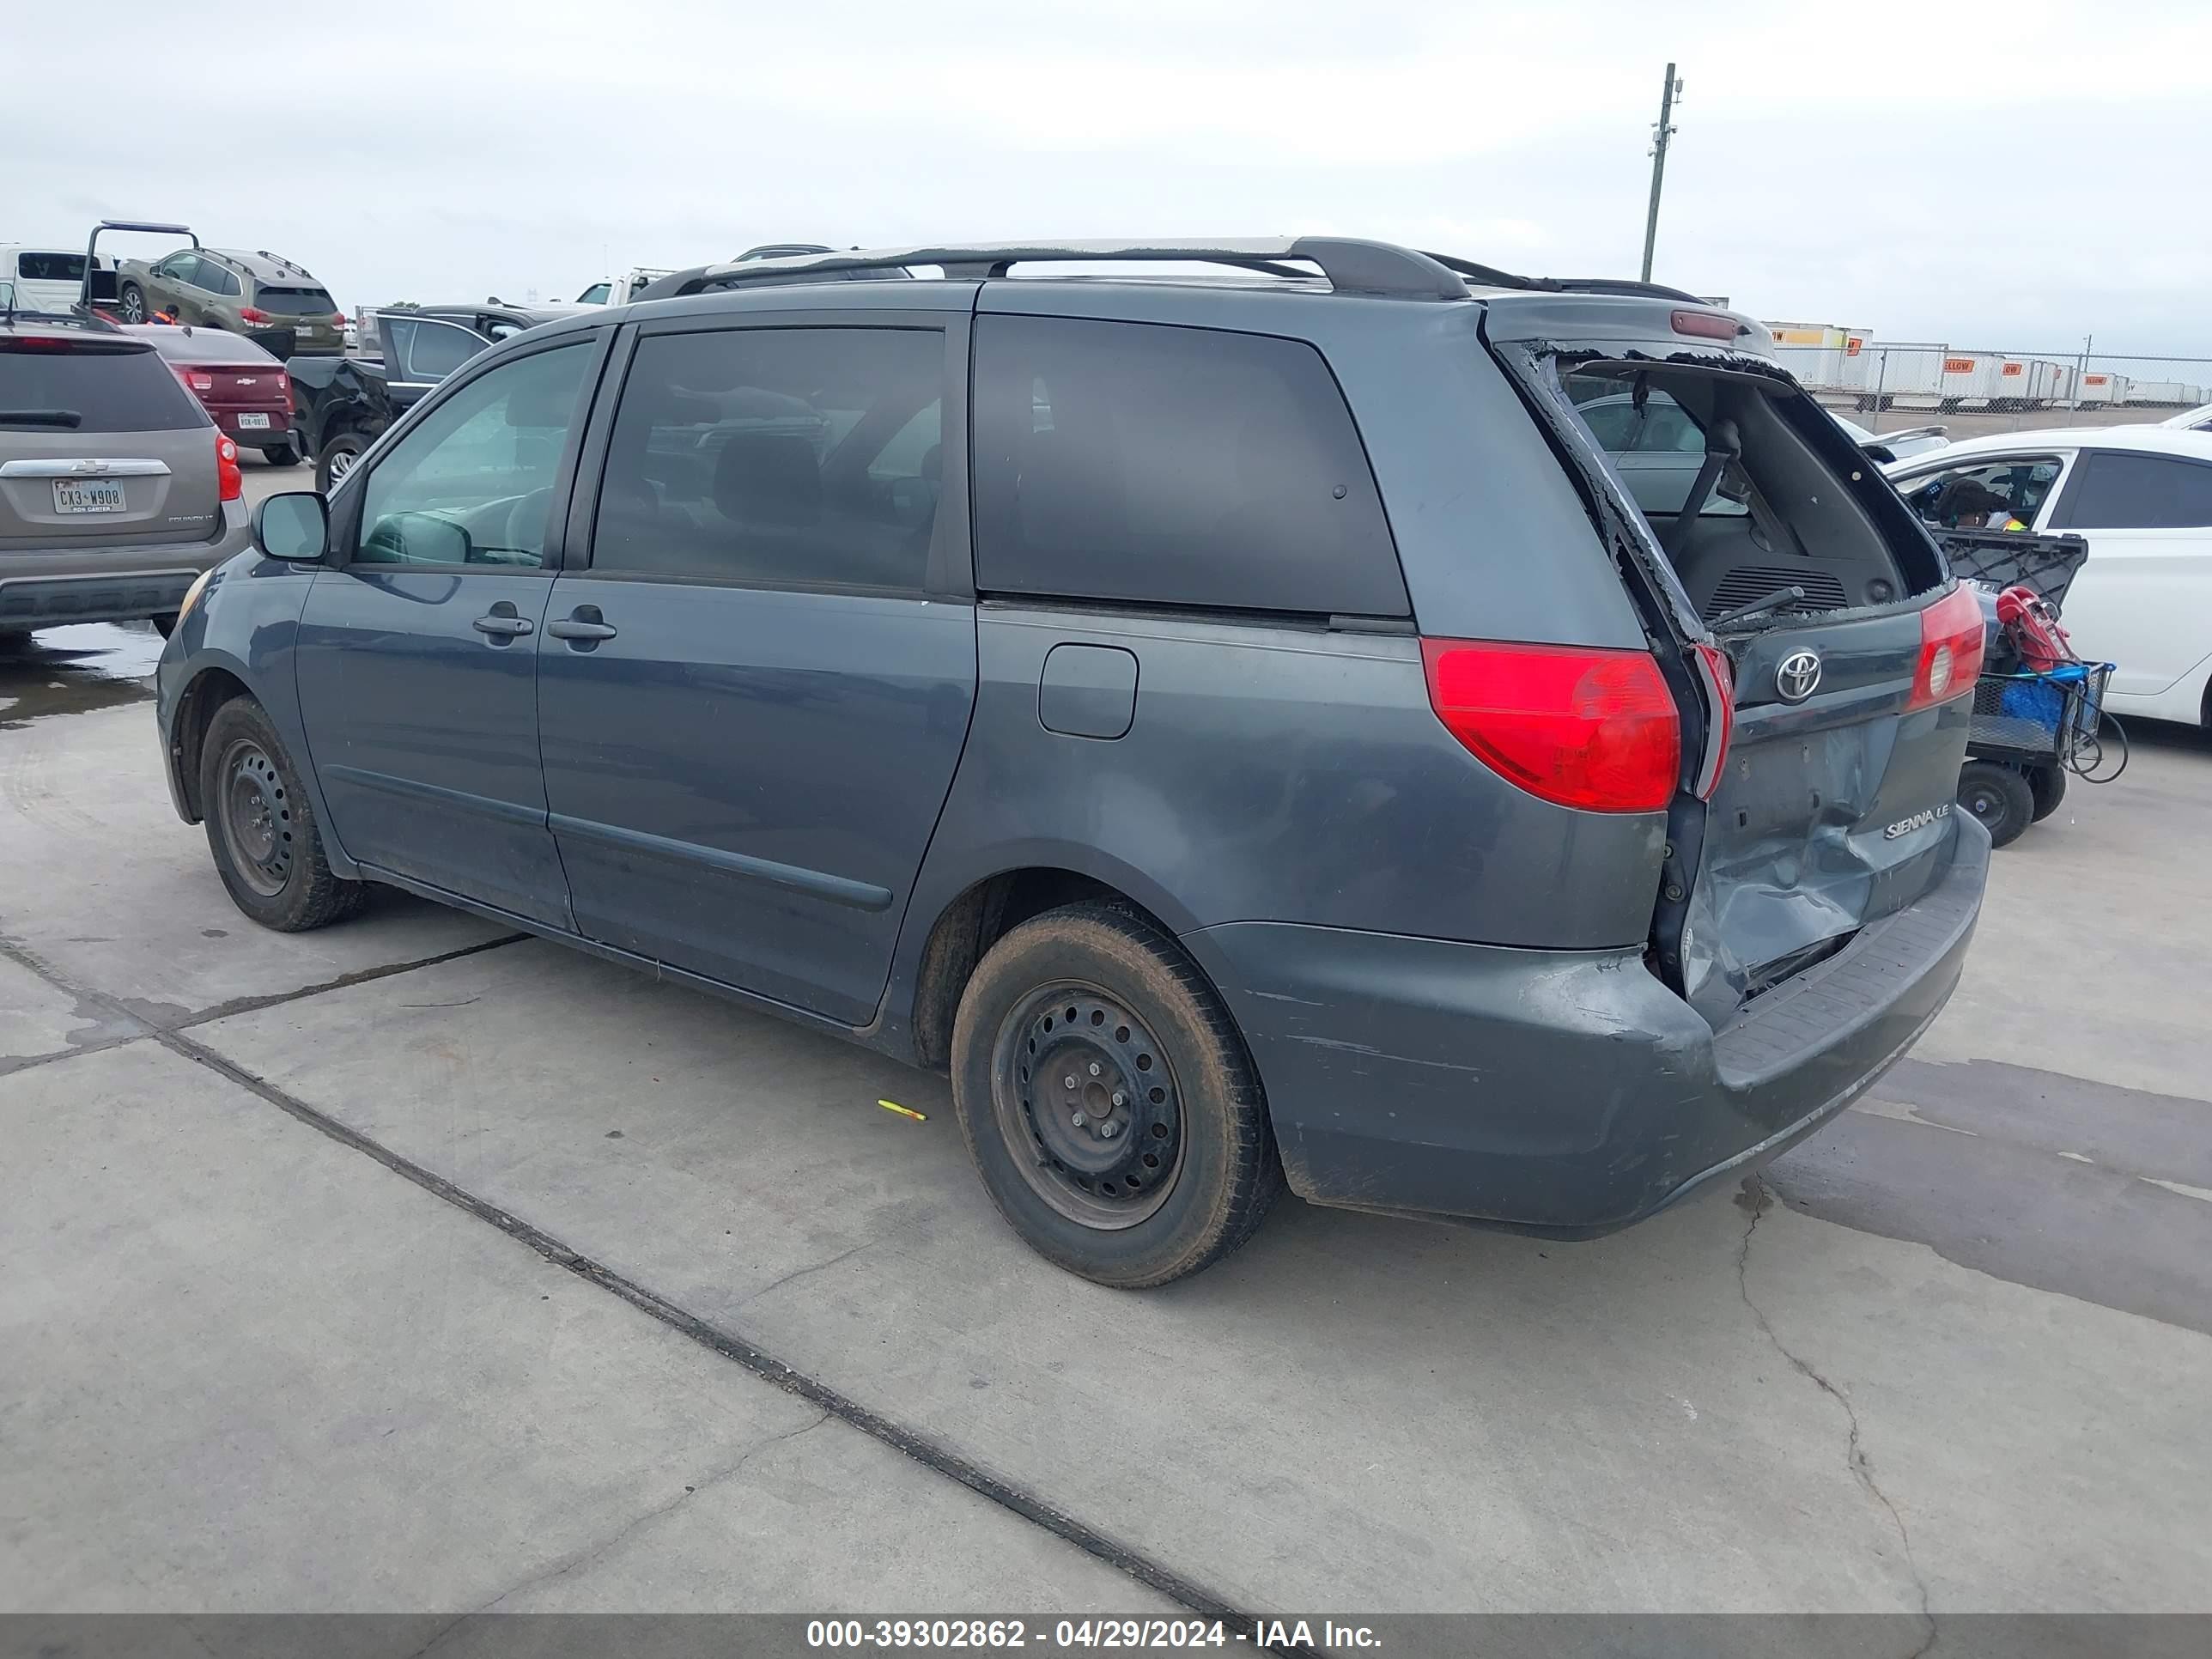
(1734, 476)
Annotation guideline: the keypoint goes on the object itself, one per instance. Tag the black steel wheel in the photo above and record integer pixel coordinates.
(1083, 1085)
(257, 817)
(1108, 1100)
(261, 828)
(1999, 796)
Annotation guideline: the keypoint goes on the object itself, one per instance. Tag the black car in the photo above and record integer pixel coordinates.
(341, 405)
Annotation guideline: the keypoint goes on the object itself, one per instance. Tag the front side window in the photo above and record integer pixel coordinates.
(1984, 495)
(594, 295)
(777, 456)
(2119, 491)
(472, 484)
(1183, 467)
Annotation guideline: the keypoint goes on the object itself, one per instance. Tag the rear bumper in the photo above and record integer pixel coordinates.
(48, 589)
(278, 431)
(1566, 1093)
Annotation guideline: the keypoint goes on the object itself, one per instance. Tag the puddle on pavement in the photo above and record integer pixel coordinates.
(70, 671)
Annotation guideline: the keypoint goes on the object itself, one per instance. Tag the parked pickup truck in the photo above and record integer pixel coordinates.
(341, 405)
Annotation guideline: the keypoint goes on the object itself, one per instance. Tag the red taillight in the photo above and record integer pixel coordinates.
(337, 319)
(196, 380)
(231, 481)
(1587, 728)
(1718, 675)
(253, 314)
(1950, 649)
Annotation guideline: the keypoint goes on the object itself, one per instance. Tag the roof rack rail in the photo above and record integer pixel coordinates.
(1495, 278)
(1350, 266)
(1620, 285)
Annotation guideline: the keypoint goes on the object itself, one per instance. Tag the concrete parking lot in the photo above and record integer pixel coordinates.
(414, 1265)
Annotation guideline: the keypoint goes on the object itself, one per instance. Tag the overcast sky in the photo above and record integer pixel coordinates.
(2012, 175)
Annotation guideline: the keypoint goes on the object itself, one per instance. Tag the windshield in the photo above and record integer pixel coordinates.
(296, 301)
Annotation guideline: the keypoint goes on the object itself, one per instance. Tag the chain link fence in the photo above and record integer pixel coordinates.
(1893, 386)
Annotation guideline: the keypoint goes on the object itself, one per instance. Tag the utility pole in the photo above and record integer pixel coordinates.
(1660, 135)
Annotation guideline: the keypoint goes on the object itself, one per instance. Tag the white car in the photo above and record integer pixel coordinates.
(2142, 497)
(1901, 445)
(2198, 419)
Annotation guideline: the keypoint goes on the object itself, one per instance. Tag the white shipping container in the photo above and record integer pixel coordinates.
(1901, 375)
(2027, 383)
(2102, 386)
(2156, 392)
(1818, 353)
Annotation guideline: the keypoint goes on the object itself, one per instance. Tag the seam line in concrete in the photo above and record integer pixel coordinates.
(359, 976)
(1855, 1457)
(931, 1454)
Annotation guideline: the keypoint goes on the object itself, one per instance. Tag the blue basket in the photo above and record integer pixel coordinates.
(2040, 701)
(2036, 714)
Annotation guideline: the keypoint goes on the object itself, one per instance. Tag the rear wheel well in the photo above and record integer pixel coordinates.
(195, 712)
(976, 920)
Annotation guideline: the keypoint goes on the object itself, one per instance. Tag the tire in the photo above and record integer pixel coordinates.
(2047, 784)
(1155, 1055)
(335, 459)
(281, 455)
(250, 797)
(131, 300)
(1999, 796)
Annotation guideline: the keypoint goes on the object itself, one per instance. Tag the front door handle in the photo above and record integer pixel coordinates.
(502, 624)
(584, 623)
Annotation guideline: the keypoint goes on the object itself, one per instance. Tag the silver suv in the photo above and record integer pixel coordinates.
(117, 492)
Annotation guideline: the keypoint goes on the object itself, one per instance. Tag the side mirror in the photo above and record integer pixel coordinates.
(294, 527)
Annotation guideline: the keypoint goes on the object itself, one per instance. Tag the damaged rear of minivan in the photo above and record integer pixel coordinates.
(1833, 657)
(1809, 678)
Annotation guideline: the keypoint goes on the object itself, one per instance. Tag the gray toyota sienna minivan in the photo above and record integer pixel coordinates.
(1248, 728)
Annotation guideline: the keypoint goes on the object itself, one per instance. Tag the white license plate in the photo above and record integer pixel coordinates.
(87, 495)
(253, 423)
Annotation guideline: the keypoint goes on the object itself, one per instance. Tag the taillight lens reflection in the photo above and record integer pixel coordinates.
(1950, 649)
(1584, 727)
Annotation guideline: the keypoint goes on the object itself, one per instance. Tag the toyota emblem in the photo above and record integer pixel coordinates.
(1799, 676)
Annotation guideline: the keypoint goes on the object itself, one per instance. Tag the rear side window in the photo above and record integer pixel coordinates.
(423, 350)
(1169, 465)
(295, 302)
(777, 456)
(219, 279)
(108, 389)
(50, 267)
(2118, 491)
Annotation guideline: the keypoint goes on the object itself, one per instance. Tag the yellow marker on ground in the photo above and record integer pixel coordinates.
(903, 1111)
